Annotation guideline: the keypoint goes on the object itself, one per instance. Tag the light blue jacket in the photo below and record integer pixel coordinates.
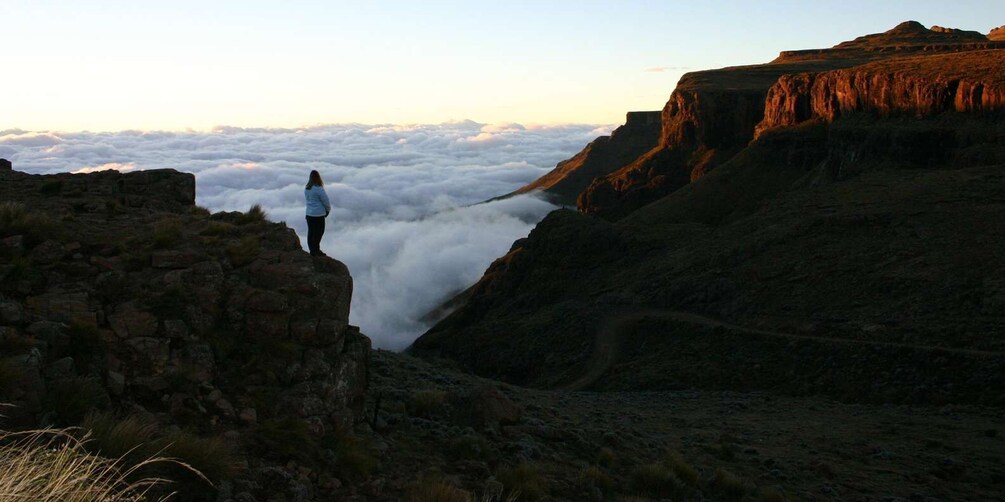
(317, 201)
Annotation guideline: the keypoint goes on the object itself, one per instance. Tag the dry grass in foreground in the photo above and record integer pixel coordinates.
(52, 465)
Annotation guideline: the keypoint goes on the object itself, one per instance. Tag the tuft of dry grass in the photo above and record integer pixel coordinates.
(771, 494)
(117, 438)
(658, 480)
(523, 482)
(244, 251)
(16, 219)
(683, 470)
(436, 489)
(167, 233)
(606, 457)
(283, 439)
(209, 459)
(12, 373)
(355, 457)
(52, 465)
(255, 214)
(727, 485)
(593, 477)
(427, 402)
(215, 228)
(433, 488)
(198, 211)
(72, 398)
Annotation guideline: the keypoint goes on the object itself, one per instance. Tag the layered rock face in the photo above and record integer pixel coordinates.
(603, 155)
(703, 123)
(916, 86)
(997, 34)
(712, 115)
(118, 284)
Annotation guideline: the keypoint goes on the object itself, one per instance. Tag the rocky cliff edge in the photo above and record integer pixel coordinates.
(121, 297)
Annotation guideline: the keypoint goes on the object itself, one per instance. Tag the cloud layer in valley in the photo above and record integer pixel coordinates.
(405, 218)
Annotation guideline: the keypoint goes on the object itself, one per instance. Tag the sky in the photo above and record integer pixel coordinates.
(144, 65)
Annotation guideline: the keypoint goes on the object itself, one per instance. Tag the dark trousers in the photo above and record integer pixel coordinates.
(315, 230)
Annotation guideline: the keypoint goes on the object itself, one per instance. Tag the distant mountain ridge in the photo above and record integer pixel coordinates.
(713, 114)
(839, 205)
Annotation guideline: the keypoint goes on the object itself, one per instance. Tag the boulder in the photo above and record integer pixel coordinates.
(129, 321)
(11, 312)
(13, 245)
(47, 253)
(152, 353)
(175, 259)
(62, 306)
(60, 368)
(267, 301)
(249, 416)
(116, 383)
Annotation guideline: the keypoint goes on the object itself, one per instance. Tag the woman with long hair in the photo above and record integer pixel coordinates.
(318, 208)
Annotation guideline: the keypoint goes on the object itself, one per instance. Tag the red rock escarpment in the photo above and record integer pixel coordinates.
(919, 86)
(708, 119)
(997, 34)
(712, 115)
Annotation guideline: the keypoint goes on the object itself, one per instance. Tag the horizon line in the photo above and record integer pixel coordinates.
(224, 128)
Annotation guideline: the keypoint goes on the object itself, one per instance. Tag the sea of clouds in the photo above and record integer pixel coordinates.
(405, 216)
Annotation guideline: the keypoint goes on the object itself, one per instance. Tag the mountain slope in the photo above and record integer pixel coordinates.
(712, 114)
(605, 154)
(864, 240)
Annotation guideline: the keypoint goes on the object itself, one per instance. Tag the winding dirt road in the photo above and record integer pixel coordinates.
(607, 344)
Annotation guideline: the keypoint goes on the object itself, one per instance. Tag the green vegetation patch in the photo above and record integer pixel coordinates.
(283, 439)
(167, 233)
(523, 482)
(72, 399)
(255, 214)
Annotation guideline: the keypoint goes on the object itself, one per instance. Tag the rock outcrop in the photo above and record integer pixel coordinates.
(712, 115)
(119, 287)
(914, 86)
(913, 34)
(997, 34)
(602, 156)
(706, 121)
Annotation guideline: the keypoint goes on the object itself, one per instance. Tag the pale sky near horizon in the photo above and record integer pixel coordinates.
(117, 65)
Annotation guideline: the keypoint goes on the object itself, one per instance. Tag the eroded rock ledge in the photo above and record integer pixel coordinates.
(967, 82)
(217, 324)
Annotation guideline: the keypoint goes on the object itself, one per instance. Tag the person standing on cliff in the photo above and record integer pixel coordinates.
(318, 208)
